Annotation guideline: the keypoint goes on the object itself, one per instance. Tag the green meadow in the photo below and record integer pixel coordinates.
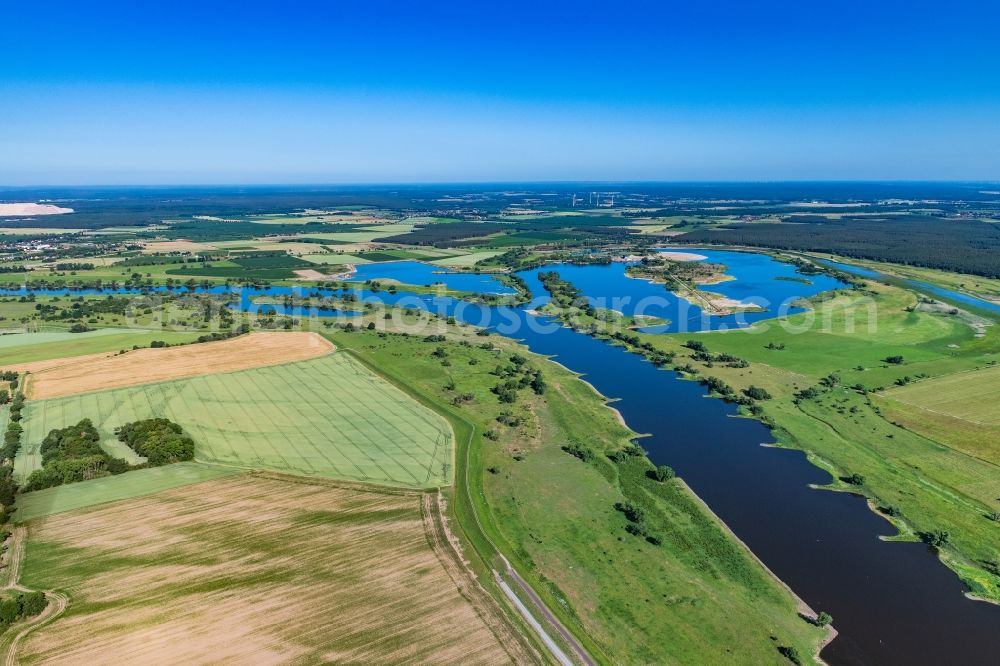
(687, 600)
(931, 475)
(43, 346)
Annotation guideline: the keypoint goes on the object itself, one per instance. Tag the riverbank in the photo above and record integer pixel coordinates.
(624, 594)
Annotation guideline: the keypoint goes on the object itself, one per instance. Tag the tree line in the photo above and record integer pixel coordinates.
(961, 245)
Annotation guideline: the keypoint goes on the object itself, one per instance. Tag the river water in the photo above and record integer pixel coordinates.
(893, 603)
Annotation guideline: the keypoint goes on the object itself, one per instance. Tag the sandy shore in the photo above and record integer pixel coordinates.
(312, 274)
(682, 256)
(32, 209)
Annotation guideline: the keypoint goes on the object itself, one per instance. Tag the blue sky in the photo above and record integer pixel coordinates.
(373, 91)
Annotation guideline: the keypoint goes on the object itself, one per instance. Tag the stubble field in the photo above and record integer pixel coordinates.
(60, 377)
(259, 569)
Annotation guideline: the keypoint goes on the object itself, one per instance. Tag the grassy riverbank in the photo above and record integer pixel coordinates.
(832, 374)
(686, 599)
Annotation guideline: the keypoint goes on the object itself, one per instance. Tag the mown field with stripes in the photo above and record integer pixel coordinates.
(328, 416)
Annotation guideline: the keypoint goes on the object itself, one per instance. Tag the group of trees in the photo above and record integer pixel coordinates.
(518, 374)
(74, 453)
(636, 525)
(160, 441)
(20, 605)
(563, 293)
(11, 445)
(71, 454)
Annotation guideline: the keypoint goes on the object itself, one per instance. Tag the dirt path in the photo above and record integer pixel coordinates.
(536, 601)
(444, 545)
(579, 651)
(57, 602)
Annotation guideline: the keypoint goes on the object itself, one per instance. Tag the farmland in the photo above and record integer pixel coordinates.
(60, 377)
(32, 347)
(958, 409)
(555, 516)
(260, 569)
(136, 483)
(971, 396)
(890, 392)
(327, 417)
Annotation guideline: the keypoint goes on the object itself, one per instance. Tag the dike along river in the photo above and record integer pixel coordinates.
(893, 603)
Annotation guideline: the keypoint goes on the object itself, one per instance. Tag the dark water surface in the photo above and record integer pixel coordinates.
(893, 603)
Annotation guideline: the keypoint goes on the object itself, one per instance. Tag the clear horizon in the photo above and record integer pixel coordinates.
(355, 93)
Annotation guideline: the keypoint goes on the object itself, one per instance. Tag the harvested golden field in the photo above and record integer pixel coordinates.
(180, 245)
(261, 569)
(60, 377)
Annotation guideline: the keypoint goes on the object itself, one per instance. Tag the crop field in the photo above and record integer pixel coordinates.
(153, 247)
(957, 409)
(33, 347)
(136, 483)
(328, 416)
(44, 337)
(361, 235)
(335, 259)
(971, 396)
(270, 260)
(264, 570)
(466, 260)
(389, 255)
(56, 378)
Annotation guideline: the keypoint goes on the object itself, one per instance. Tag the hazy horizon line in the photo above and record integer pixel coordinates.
(477, 183)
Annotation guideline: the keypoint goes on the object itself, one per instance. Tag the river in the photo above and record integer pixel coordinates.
(893, 603)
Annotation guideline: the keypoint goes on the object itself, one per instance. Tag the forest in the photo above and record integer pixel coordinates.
(962, 245)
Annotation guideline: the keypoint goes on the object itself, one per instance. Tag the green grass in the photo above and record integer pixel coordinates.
(971, 396)
(851, 331)
(233, 272)
(976, 285)
(389, 255)
(327, 417)
(61, 344)
(335, 259)
(553, 516)
(372, 233)
(466, 260)
(108, 489)
(957, 409)
(940, 477)
(43, 337)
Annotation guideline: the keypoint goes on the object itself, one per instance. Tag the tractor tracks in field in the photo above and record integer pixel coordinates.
(56, 606)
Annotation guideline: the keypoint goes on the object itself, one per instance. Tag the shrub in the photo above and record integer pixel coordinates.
(633, 512)
(756, 393)
(935, 538)
(790, 653)
(662, 473)
(578, 451)
(854, 479)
